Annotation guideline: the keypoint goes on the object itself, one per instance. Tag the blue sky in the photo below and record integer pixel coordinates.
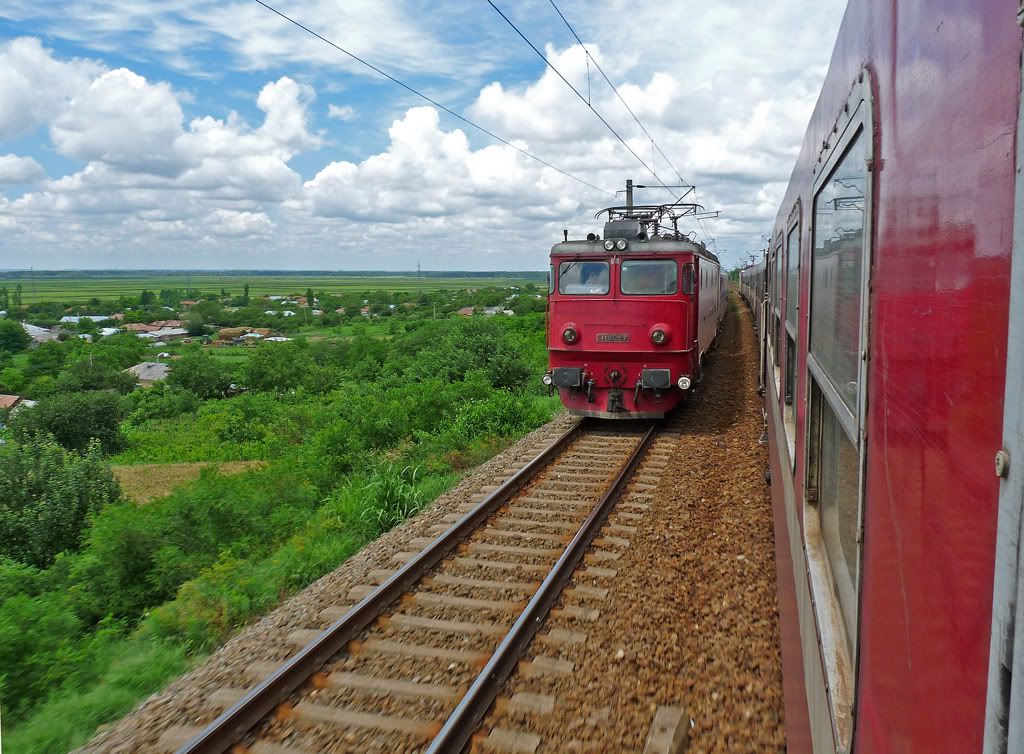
(201, 134)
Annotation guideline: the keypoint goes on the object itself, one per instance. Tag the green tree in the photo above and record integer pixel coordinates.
(5, 299)
(148, 298)
(94, 370)
(200, 373)
(47, 496)
(17, 296)
(12, 381)
(74, 419)
(13, 337)
(277, 367)
(245, 295)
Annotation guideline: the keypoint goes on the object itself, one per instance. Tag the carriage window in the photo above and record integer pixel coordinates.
(793, 278)
(837, 264)
(649, 277)
(838, 463)
(835, 446)
(551, 280)
(583, 278)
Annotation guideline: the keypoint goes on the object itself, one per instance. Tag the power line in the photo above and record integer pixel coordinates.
(621, 98)
(700, 223)
(432, 101)
(578, 94)
(654, 144)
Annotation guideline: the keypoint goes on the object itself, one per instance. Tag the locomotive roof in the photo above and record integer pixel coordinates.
(656, 245)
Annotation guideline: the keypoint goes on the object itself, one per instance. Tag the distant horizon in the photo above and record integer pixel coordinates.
(257, 271)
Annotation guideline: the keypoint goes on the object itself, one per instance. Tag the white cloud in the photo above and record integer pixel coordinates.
(728, 108)
(395, 32)
(124, 121)
(429, 172)
(15, 169)
(340, 112)
(34, 86)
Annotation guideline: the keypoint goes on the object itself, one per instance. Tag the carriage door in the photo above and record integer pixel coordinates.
(1004, 708)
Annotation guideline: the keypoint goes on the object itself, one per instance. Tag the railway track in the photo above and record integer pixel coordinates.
(417, 662)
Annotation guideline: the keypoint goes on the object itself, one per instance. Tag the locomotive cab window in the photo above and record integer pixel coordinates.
(649, 277)
(583, 278)
(687, 276)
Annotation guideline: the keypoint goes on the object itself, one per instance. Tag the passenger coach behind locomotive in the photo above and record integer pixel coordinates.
(630, 317)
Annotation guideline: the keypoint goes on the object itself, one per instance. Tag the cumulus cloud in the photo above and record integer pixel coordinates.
(124, 121)
(34, 86)
(429, 172)
(728, 108)
(15, 169)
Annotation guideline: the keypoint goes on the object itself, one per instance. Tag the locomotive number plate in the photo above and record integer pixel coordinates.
(613, 337)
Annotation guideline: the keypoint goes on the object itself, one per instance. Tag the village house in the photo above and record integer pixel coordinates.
(149, 372)
(39, 334)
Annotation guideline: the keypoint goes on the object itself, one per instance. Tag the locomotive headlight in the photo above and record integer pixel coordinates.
(609, 244)
(621, 244)
(569, 335)
(683, 383)
(658, 337)
(547, 379)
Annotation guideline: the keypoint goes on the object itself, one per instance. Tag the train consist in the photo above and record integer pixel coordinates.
(892, 329)
(631, 316)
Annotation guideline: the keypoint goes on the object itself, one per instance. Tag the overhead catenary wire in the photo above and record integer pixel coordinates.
(654, 144)
(591, 58)
(579, 94)
(431, 100)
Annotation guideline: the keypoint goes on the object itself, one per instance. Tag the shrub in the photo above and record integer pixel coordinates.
(162, 401)
(47, 496)
(202, 374)
(73, 419)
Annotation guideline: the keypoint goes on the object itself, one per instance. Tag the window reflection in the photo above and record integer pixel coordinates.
(837, 264)
(583, 278)
(649, 277)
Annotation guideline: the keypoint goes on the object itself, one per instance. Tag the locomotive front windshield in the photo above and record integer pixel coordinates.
(583, 278)
(649, 277)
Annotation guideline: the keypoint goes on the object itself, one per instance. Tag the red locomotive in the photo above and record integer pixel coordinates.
(892, 330)
(631, 316)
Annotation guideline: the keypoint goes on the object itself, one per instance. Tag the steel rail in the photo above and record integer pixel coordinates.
(467, 716)
(234, 723)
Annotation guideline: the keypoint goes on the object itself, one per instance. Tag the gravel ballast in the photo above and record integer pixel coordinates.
(690, 619)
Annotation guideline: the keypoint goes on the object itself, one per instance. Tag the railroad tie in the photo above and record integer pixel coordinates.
(506, 740)
(348, 718)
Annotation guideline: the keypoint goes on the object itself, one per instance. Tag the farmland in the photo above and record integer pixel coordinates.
(84, 285)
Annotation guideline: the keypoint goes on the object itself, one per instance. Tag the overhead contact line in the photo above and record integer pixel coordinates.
(429, 99)
(579, 94)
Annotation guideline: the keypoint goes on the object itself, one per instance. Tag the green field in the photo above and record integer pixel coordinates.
(84, 285)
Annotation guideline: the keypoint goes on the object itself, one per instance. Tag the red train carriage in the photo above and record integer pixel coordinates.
(631, 316)
(893, 374)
